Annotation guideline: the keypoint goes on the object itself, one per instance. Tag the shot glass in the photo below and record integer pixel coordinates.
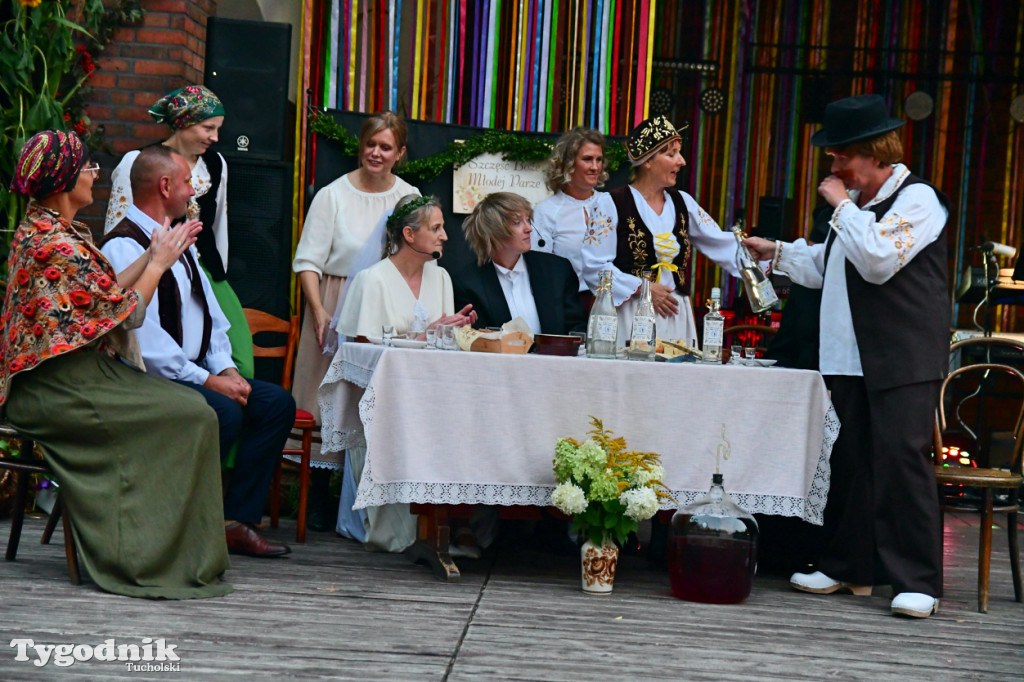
(387, 332)
(749, 354)
(735, 354)
(432, 338)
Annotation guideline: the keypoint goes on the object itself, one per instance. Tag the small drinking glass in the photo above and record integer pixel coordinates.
(749, 354)
(735, 354)
(449, 338)
(387, 333)
(432, 338)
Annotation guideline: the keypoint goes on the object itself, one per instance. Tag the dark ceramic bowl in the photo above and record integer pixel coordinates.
(557, 344)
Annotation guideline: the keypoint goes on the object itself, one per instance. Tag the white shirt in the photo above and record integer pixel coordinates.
(161, 354)
(877, 249)
(338, 223)
(561, 221)
(121, 199)
(515, 284)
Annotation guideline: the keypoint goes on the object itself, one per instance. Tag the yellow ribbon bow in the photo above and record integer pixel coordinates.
(656, 269)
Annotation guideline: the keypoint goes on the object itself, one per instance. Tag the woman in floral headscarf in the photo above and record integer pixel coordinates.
(195, 116)
(143, 493)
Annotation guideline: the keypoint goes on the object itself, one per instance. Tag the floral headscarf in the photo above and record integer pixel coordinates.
(49, 164)
(186, 106)
(62, 296)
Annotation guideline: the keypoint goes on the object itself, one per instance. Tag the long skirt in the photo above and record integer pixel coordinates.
(138, 464)
(238, 333)
(311, 365)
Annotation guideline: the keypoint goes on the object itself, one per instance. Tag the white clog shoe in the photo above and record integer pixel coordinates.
(914, 604)
(819, 583)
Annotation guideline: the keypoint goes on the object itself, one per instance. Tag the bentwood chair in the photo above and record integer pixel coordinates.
(23, 466)
(754, 336)
(261, 322)
(988, 480)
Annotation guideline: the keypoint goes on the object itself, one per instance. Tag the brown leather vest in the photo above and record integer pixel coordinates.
(635, 251)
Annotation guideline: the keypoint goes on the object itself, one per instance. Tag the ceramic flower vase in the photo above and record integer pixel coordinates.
(599, 563)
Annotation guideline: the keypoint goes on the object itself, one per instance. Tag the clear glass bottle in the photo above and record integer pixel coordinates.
(712, 551)
(714, 329)
(644, 332)
(602, 327)
(760, 292)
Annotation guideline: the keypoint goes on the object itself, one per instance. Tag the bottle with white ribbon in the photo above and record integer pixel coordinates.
(603, 325)
(643, 334)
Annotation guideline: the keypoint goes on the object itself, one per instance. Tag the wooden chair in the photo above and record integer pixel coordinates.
(749, 335)
(260, 322)
(988, 480)
(24, 465)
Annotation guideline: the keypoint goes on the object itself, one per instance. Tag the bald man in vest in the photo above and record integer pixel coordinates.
(184, 339)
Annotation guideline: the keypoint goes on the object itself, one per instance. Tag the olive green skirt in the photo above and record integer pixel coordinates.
(138, 464)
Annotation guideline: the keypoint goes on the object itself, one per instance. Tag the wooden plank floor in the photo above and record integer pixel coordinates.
(334, 611)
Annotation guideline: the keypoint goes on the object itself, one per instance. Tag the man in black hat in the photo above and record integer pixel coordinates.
(883, 351)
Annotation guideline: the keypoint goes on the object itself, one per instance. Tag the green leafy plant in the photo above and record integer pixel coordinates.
(606, 488)
(512, 147)
(46, 57)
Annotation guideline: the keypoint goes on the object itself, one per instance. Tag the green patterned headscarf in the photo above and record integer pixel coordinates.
(186, 106)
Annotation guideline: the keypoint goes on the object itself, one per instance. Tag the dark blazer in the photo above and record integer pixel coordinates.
(555, 289)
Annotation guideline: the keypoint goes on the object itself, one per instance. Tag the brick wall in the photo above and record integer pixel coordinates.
(141, 64)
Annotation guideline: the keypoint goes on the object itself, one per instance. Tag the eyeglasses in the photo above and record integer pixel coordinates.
(93, 170)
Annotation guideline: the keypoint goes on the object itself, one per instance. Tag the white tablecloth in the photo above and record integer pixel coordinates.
(480, 428)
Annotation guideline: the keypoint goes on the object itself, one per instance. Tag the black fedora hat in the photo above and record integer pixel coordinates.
(853, 119)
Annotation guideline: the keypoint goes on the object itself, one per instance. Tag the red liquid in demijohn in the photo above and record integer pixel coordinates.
(712, 570)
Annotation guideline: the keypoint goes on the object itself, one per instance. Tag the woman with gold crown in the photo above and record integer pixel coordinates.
(650, 225)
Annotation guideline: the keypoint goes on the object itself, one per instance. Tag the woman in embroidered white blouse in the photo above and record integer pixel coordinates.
(648, 224)
(575, 171)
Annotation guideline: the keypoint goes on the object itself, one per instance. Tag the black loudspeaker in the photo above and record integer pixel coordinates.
(247, 66)
(260, 233)
(775, 218)
(816, 93)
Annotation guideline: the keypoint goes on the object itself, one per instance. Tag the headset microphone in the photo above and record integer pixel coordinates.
(433, 254)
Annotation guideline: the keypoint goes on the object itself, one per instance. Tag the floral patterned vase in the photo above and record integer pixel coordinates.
(599, 566)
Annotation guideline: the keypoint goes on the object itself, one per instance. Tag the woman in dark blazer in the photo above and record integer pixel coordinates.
(509, 280)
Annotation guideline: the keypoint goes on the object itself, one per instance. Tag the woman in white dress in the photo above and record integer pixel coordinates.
(338, 223)
(575, 171)
(650, 225)
(409, 290)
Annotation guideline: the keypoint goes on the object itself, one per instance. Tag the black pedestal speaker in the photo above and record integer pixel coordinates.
(775, 218)
(260, 233)
(247, 66)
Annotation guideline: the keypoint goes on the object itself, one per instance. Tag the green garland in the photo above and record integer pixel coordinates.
(511, 146)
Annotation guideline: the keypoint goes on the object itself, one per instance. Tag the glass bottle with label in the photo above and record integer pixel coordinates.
(714, 330)
(643, 334)
(602, 327)
(760, 292)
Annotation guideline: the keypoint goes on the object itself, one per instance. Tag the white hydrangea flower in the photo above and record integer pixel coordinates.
(643, 477)
(569, 498)
(641, 503)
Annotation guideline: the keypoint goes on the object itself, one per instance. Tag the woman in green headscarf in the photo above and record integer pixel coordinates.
(195, 116)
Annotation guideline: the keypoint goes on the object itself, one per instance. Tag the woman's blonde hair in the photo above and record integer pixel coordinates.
(384, 120)
(562, 162)
(415, 218)
(489, 226)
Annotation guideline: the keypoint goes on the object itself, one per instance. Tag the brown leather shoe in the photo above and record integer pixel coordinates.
(243, 539)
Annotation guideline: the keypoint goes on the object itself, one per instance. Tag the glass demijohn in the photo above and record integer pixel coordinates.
(712, 552)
